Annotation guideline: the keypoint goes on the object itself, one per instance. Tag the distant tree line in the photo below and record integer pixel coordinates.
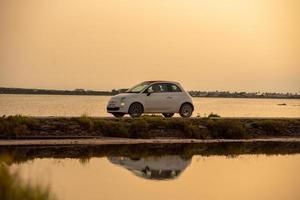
(227, 94)
(223, 94)
(58, 92)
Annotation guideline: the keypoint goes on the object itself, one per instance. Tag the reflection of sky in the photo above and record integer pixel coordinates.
(245, 177)
(159, 168)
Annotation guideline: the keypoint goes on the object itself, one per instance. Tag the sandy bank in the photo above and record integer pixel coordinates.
(119, 141)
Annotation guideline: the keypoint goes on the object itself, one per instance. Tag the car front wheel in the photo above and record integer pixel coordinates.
(168, 115)
(186, 110)
(135, 110)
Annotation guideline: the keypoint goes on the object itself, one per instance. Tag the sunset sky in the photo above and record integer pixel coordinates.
(234, 45)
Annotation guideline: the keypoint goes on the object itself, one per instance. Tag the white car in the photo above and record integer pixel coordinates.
(164, 97)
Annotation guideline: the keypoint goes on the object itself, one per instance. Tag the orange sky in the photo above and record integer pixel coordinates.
(243, 45)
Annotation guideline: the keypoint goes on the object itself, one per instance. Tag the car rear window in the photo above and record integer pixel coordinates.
(164, 87)
(173, 88)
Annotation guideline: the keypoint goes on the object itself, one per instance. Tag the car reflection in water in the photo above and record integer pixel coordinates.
(154, 168)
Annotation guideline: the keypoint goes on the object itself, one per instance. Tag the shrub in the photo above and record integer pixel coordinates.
(139, 128)
(14, 126)
(122, 131)
(86, 122)
(111, 128)
(30, 122)
(226, 129)
(271, 127)
(189, 130)
(177, 123)
(4, 126)
(155, 121)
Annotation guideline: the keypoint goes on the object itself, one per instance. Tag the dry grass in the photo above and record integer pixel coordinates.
(14, 126)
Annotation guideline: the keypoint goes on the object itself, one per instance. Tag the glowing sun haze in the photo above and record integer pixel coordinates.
(243, 45)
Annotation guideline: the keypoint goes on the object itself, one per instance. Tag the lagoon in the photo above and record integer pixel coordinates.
(64, 105)
(164, 177)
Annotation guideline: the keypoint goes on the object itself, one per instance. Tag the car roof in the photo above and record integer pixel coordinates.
(161, 81)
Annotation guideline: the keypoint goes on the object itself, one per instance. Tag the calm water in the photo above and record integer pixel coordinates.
(244, 177)
(55, 105)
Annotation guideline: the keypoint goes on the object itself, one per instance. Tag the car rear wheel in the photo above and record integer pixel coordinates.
(168, 115)
(118, 115)
(186, 110)
(135, 110)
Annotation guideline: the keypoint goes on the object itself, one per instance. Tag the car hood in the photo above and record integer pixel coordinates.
(122, 95)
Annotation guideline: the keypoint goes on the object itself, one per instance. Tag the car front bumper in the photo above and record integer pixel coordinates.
(112, 109)
(117, 109)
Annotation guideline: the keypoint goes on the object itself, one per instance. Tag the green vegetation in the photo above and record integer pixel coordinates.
(148, 127)
(15, 126)
(271, 127)
(227, 129)
(12, 187)
(85, 121)
(144, 127)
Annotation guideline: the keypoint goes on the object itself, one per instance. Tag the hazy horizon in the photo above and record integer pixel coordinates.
(109, 90)
(224, 45)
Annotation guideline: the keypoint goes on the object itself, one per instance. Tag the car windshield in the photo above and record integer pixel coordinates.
(139, 88)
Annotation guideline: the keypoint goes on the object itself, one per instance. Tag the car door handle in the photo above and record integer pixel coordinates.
(169, 97)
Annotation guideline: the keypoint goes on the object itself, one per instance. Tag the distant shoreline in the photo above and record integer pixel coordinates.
(215, 94)
(192, 96)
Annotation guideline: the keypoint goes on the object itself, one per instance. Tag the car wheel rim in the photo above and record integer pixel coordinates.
(135, 110)
(186, 111)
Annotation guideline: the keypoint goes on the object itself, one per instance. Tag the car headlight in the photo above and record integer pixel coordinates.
(122, 101)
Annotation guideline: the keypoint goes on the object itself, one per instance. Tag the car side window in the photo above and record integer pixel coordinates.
(173, 88)
(158, 88)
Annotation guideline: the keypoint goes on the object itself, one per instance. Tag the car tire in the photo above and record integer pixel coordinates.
(186, 110)
(118, 115)
(135, 110)
(168, 115)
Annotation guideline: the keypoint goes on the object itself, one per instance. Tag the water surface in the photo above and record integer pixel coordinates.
(245, 177)
(64, 105)
(258, 170)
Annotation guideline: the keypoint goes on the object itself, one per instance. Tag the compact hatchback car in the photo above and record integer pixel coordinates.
(152, 97)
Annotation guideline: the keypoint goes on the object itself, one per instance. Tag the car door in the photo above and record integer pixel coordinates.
(156, 98)
(174, 97)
